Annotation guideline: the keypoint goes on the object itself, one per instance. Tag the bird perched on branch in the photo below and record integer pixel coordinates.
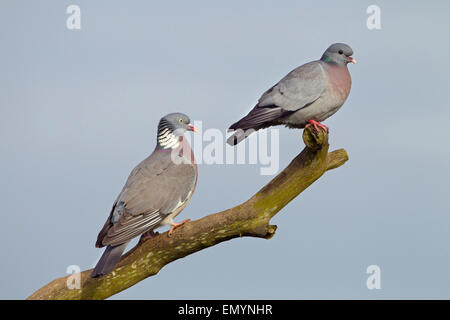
(306, 96)
(156, 191)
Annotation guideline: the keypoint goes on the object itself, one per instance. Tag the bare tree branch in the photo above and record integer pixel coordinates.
(251, 218)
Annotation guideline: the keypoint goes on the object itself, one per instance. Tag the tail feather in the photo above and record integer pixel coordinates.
(109, 259)
(257, 118)
(239, 135)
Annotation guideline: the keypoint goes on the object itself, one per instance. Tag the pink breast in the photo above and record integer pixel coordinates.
(340, 81)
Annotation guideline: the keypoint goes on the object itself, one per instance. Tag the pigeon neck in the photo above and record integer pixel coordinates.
(166, 139)
(329, 60)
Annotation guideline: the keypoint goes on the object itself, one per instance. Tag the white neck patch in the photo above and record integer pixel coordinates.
(167, 140)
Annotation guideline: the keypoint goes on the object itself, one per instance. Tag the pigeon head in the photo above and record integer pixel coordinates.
(171, 127)
(338, 53)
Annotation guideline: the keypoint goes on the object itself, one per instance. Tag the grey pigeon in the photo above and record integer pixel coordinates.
(156, 191)
(307, 95)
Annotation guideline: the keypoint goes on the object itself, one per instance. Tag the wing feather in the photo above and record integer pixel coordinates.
(296, 90)
(299, 88)
(154, 189)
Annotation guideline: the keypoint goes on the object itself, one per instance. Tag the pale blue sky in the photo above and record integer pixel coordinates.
(79, 110)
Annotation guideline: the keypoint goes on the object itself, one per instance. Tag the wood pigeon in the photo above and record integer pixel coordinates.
(156, 191)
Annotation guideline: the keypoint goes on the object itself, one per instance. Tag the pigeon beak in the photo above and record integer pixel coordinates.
(352, 60)
(192, 128)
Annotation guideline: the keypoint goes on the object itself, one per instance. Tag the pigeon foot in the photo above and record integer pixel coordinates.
(316, 125)
(147, 235)
(176, 225)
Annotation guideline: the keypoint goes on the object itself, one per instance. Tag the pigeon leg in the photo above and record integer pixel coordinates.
(147, 235)
(175, 225)
(316, 125)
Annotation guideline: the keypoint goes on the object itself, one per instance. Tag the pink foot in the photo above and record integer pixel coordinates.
(176, 225)
(316, 125)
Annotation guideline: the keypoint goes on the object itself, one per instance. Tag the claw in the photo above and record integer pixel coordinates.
(316, 125)
(147, 235)
(176, 225)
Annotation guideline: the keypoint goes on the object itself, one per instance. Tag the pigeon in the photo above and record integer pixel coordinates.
(156, 191)
(306, 96)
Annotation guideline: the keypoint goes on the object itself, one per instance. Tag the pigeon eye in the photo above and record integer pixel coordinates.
(341, 52)
(180, 120)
